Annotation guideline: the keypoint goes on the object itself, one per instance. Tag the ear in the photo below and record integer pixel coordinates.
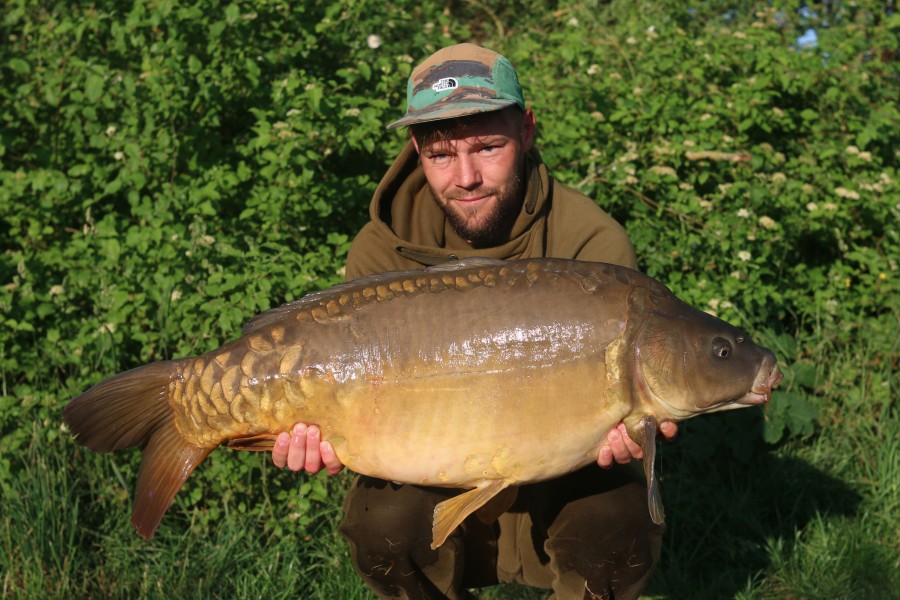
(529, 128)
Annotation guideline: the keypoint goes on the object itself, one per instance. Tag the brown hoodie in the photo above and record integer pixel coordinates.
(409, 230)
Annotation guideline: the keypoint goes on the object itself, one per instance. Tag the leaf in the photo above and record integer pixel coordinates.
(93, 88)
(19, 66)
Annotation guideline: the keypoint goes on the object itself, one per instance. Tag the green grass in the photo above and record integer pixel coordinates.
(813, 518)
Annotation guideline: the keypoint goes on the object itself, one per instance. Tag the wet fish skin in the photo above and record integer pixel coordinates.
(439, 377)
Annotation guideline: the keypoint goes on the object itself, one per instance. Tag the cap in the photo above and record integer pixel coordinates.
(460, 80)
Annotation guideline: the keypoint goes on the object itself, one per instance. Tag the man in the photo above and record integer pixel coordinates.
(470, 183)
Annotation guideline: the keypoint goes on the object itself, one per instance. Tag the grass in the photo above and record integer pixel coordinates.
(813, 518)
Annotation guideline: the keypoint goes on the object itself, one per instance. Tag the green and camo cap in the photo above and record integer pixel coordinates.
(460, 80)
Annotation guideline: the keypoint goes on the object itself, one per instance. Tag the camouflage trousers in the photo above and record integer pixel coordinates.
(584, 535)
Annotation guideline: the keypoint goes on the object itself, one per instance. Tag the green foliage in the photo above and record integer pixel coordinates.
(167, 171)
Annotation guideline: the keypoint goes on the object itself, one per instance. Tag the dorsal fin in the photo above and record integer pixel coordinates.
(272, 316)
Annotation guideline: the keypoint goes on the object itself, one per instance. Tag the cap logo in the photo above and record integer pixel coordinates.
(447, 83)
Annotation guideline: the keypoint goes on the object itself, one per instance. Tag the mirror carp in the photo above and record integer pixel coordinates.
(479, 374)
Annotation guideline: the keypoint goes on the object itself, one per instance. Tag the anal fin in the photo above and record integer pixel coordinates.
(449, 514)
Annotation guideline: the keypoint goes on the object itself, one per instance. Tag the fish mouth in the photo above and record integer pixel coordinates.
(761, 392)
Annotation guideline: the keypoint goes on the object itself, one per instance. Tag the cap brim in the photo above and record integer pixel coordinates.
(452, 111)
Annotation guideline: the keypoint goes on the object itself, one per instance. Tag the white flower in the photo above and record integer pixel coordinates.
(593, 69)
(176, 294)
(352, 112)
(663, 170)
(851, 150)
(119, 155)
(374, 41)
(573, 22)
(743, 213)
(56, 290)
(111, 131)
(845, 193)
(631, 41)
(714, 303)
(744, 255)
(866, 156)
(767, 222)
(812, 206)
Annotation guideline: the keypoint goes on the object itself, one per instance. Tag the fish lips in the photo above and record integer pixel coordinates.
(761, 393)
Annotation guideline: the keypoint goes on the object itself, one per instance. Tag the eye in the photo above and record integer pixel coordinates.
(721, 348)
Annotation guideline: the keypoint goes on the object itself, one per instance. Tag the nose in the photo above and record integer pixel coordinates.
(468, 174)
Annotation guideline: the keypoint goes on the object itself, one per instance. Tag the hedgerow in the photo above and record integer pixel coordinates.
(167, 171)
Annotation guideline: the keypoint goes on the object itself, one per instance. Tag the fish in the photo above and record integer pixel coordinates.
(480, 374)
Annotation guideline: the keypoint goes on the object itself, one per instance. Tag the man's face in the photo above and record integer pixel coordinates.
(476, 174)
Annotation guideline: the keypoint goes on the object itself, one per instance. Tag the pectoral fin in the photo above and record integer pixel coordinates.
(648, 445)
(450, 513)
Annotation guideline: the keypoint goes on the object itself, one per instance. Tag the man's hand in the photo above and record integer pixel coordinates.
(304, 450)
(621, 448)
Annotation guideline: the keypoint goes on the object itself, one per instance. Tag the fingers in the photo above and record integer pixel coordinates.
(619, 448)
(280, 451)
(296, 460)
(304, 450)
(313, 463)
(668, 429)
(329, 457)
(623, 447)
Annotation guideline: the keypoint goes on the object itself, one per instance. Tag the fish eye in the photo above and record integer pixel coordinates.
(721, 348)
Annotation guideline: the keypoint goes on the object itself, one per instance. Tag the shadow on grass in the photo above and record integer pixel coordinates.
(728, 500)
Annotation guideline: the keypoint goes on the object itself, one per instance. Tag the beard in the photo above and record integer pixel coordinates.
(487, 225)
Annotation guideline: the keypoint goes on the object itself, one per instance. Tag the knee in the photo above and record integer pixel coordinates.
(387, 517)
(605, 546)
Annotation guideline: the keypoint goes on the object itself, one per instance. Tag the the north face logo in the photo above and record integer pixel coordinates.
(447, 83)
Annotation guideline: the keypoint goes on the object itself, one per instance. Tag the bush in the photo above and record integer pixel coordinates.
(168, 171)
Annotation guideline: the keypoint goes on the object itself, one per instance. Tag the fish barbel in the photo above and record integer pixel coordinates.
(480, 374)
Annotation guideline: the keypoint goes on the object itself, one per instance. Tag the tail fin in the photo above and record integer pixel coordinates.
(132, 409)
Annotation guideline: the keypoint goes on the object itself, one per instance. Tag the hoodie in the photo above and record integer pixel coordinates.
(408, 229)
